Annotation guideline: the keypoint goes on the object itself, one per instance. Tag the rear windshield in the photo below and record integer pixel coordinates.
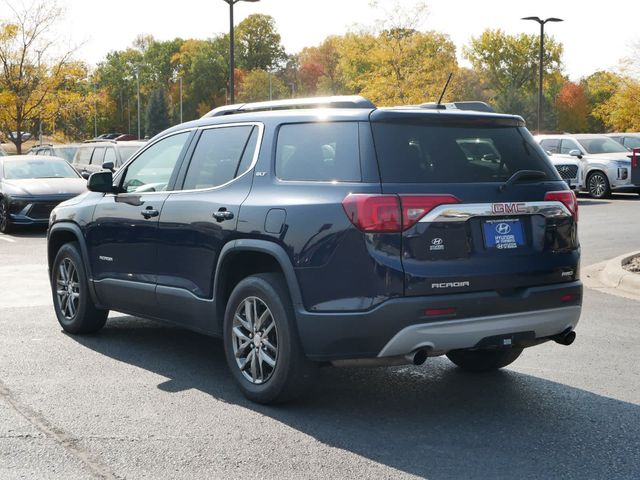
(419, 153)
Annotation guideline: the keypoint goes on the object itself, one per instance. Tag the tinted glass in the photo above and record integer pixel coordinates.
(551, 145)
(21, 169)
(414, 153)
(249, 152)
(216, 157)
(321, 152)
(151, 170)
(98, 156)
(601, 145)
(110, 156)
(567, 146)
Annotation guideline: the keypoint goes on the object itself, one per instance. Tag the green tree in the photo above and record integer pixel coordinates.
(157, 116)
(508, 68)
(258, 43)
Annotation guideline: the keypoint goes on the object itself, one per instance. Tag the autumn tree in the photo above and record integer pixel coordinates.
(33, 79)
(508, 68)
(621, 112)
(573, 108)
(599, 87)
(255, 86)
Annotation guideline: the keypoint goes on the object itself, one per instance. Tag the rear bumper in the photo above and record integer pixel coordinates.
(470, 332)
(399, 326)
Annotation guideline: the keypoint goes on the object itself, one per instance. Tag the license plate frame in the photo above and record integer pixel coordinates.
(503, 234)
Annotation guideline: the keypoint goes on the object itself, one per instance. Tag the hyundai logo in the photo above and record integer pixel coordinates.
(503, 228)
(436, 241)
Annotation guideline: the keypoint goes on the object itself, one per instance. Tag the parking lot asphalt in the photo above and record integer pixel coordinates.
(144, 400)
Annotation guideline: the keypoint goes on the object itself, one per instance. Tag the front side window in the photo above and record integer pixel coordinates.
(567, 146)
(220, 155)
(151, 171)
(319, 152)
(98, 156)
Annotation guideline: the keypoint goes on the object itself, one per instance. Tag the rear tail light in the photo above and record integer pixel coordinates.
(390, 213)
(634, 157)
(567, 198)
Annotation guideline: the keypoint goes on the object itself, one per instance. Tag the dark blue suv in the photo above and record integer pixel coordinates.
(329, 231)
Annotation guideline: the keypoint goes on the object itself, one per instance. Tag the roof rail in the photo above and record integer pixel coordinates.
(339, 101)
(100, 140)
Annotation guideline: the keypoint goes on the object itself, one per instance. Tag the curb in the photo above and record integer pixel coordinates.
(614, 276)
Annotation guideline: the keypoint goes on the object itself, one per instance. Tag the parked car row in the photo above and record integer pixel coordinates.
(596, 163)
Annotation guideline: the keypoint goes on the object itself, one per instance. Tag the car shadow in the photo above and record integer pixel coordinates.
(28, 231)
(583, 202)
(432, 421)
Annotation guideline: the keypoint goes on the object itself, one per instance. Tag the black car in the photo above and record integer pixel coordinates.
(31, 186)
(329, 231)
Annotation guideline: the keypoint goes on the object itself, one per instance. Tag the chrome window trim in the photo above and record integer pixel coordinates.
(461, 212)
(208, 127)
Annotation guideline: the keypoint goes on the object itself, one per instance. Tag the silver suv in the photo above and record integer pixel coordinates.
(604, 166)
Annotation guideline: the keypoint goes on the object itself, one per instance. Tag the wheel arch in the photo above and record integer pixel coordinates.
(241, 258)
(66, 232)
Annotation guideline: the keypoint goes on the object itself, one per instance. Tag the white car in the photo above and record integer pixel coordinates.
(629, 140)
(604, 165)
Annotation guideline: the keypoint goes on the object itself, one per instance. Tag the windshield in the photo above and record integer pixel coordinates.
(601, 145)
(424, 153)
(65, 152)
(22, 169)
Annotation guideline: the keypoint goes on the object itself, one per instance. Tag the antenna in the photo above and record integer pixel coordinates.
(445, 88)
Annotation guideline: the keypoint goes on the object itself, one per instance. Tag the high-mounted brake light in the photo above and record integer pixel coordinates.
(390, 213)
(567, 198)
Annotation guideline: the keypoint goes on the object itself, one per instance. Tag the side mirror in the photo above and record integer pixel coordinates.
(84, 174)
(101, 182)
(108, 166)
(575, 153)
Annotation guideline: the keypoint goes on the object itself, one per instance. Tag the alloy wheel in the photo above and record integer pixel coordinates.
(255, 340)
(68, 288)
(597, 185)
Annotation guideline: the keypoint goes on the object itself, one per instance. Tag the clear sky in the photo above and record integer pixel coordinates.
(596, 35)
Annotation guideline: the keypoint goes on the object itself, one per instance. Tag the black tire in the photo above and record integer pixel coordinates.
(292, 372)
(5, 219)
(598, 185)
(483, 360)
(78, 314)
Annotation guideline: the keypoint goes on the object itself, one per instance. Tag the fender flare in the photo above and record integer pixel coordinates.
(70, 227)
(269, 248)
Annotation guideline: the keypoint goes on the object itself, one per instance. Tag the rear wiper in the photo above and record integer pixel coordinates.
(521, 175)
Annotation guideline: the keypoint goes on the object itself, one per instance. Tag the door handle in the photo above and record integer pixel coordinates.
(223, 214)
(149, 212)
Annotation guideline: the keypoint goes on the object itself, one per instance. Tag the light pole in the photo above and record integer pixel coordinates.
(180, 79)
(541, 22)
(136, 71)
(232, 63)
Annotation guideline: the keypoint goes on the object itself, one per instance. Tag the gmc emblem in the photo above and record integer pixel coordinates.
(501, 208)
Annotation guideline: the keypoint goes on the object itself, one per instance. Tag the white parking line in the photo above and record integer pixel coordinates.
(7, 239)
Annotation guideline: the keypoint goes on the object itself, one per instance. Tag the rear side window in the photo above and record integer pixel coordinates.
(218, 156)
(423, 153)
(320, 152)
